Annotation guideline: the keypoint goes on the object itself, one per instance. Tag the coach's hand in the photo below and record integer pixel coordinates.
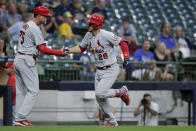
(65, 51)
(126, 63)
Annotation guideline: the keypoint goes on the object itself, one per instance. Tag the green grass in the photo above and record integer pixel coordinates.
(98, 128)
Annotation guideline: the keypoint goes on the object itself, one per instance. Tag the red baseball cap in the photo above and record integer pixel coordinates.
(42, 10)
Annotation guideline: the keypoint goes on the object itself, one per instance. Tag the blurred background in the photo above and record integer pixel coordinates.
(166, 29)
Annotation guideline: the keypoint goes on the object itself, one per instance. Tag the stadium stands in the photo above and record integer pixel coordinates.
(145, 15)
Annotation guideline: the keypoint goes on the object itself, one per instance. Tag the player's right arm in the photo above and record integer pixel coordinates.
(76, 49)
(81, 47)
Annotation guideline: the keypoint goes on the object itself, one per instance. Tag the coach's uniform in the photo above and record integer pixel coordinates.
(27, 82)
(102, 47)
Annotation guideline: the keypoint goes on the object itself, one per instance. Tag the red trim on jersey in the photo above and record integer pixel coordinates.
(81, 48)
(42, 48)
(124, 48)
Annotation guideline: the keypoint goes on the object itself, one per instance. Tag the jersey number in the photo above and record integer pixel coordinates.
(22, 35)
(104, 56)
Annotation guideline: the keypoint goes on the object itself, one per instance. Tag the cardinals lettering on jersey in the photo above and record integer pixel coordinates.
(97, 49)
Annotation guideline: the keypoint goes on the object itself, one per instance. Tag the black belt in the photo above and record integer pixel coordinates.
(34, 56)
(104, 67)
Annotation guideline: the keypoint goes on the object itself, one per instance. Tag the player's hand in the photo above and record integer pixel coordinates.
(126, 63)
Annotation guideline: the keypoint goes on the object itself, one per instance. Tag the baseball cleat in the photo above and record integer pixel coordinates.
(125, 96)
(22, 123)
(106, 124)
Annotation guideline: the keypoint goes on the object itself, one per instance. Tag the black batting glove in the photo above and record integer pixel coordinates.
(126, 63)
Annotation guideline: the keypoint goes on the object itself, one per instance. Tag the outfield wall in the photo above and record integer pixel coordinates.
(66, 106)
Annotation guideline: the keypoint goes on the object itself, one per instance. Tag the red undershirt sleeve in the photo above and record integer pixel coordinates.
(42, 48)
(124, 48)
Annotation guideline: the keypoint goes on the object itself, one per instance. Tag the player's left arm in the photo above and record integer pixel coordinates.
(125, 51)
(115, 40)
(124, 48)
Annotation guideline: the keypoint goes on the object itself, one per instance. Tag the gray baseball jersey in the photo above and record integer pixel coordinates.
(102, 47)
(30, 37)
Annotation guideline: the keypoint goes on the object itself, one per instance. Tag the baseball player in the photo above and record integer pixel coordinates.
(31, 41)
(102, 43)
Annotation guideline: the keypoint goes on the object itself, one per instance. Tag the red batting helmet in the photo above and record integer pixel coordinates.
(97, 20)
(42, 10)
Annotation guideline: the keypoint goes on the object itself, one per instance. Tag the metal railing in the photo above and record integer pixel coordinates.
(64, 70)
(72, 70)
